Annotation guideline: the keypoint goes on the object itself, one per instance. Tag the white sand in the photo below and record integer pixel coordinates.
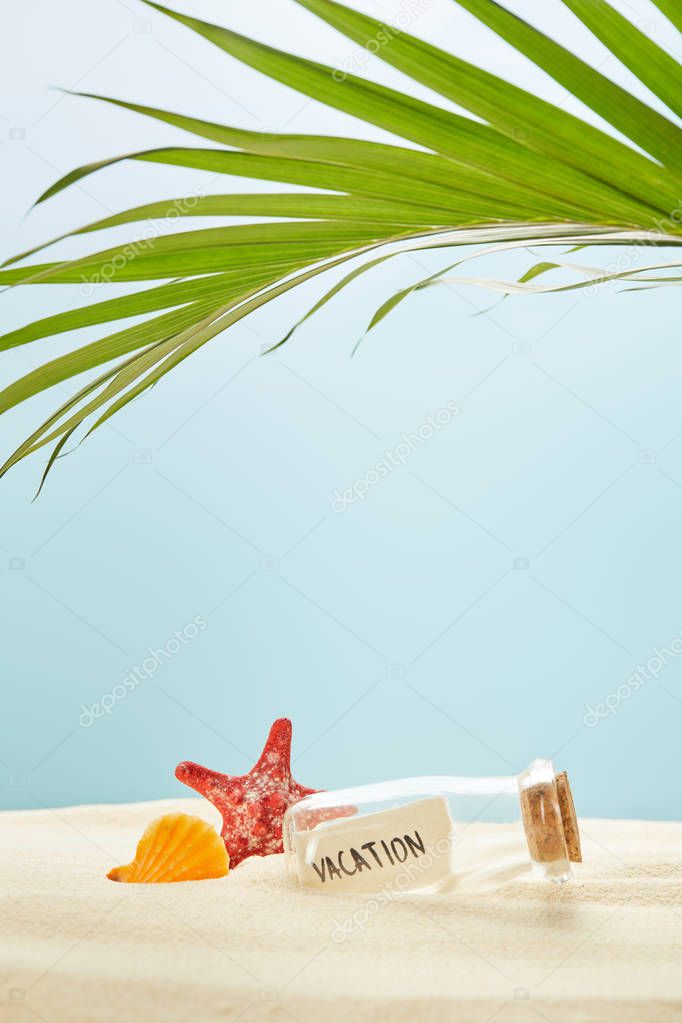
(75, 947)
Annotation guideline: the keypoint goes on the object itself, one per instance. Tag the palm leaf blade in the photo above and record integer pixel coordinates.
(527, 118)
(653, 66)
(672, 11)
(525, 172)
(637, 121)
(460, 138)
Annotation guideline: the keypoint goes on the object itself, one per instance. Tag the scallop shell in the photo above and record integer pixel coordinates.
(175, 847)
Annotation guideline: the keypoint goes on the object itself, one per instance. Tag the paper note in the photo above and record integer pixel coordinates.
(405, 848)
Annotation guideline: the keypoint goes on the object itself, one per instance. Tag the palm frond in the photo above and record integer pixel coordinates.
(672, 11)
(519, 170)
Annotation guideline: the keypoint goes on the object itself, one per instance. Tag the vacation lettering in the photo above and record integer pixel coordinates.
(328, 868)
(363, 852)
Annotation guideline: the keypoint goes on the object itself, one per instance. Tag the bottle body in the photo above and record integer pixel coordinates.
(430, 834)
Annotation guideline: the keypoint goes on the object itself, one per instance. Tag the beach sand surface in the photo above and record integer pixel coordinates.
(77, 948)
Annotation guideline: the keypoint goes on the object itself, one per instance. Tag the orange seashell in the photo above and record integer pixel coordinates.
(176, 847)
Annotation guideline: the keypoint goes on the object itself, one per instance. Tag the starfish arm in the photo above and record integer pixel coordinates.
(204, 781)
(277, 750)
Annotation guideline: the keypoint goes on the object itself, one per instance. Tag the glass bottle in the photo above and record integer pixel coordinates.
(434, 834)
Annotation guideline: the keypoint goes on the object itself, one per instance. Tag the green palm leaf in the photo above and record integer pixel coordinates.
(530, 120)
(655, 68)
(524, 171)
(634, 118)
(672, 11)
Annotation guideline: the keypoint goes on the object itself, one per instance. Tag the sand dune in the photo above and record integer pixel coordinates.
(75, 947)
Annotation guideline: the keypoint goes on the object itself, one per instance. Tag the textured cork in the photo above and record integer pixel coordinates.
(550, 822)
(568, 817)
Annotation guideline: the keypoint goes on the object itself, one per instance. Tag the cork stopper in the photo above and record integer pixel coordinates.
(568, 818)
(549, 820)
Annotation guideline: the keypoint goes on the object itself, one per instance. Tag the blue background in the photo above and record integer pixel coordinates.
(461, 617)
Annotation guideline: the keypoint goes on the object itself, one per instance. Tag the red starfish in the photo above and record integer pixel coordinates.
(252, 805)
